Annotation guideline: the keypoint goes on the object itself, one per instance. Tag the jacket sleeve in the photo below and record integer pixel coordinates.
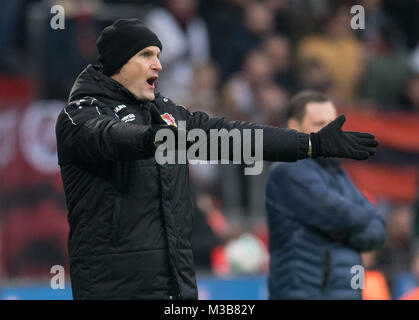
(86, 134)
(302, 195)
(372, 237)
(279, 144)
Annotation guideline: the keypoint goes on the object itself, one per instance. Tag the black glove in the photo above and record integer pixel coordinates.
(331, 141)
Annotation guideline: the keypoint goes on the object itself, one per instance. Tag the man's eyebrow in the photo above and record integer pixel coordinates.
(150, 51)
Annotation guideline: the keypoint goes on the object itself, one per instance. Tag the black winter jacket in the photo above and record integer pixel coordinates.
(131, 218)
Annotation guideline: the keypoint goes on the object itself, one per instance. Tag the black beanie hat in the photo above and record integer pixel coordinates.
(120, 41)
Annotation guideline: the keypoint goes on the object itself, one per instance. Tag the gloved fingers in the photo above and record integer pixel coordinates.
(340, 120)
(359, 154)
(367, 142)
(363, 145)
(360, 147)
(335, 124)
(371, 151)
(361, 134)
(365, 139)
(362, 155)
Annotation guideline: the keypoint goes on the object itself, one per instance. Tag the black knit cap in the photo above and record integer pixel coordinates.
(120, 41)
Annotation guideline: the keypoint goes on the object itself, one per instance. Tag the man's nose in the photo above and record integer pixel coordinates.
(157, 65)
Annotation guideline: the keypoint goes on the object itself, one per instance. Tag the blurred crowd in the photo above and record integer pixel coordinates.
(243, 59)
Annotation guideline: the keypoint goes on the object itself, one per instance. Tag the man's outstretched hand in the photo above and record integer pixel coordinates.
(331, 141)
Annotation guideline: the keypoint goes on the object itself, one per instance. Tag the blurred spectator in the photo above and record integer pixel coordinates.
(375, 285)
(278, 48)
(239, 91)
(67, 51)
(272, 100)
(203, 91)
(211, 233)
(407, 284)
(375, 19)
(410, 98)
(208, 232)
(258, 23)
(313, 75)
(339, 51)
(406, 14)
(297, 18)
(249, 95)
(416, 215)
(204, 96)
(33, 239)
(281, 15)
(386, 71)
(186, 44)
(399, 228)
(224, 19)
(411, 295)
(9, 61)
(394, 258)
(414, 59)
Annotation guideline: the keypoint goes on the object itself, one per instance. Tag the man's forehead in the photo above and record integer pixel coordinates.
(153, 49)
(320, 110)
(316, 107)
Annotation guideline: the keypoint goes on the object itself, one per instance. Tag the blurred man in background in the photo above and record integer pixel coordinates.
(319, 223)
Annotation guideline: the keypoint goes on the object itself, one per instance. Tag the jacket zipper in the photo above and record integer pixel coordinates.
(326, 271)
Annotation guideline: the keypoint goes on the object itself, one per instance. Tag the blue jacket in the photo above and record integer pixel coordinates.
(318, 225)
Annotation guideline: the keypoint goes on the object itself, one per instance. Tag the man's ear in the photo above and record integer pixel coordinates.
(293, 124)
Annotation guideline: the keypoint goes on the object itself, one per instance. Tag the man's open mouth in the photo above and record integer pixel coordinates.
(152, 81)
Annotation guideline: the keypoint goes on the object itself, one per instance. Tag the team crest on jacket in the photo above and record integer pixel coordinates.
(169, 119)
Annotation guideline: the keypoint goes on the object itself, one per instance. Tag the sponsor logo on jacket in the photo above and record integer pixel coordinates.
(119, 108)
(169, 119)
(128, 118)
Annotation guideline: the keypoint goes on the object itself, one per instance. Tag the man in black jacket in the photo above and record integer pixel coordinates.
(130, 217)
